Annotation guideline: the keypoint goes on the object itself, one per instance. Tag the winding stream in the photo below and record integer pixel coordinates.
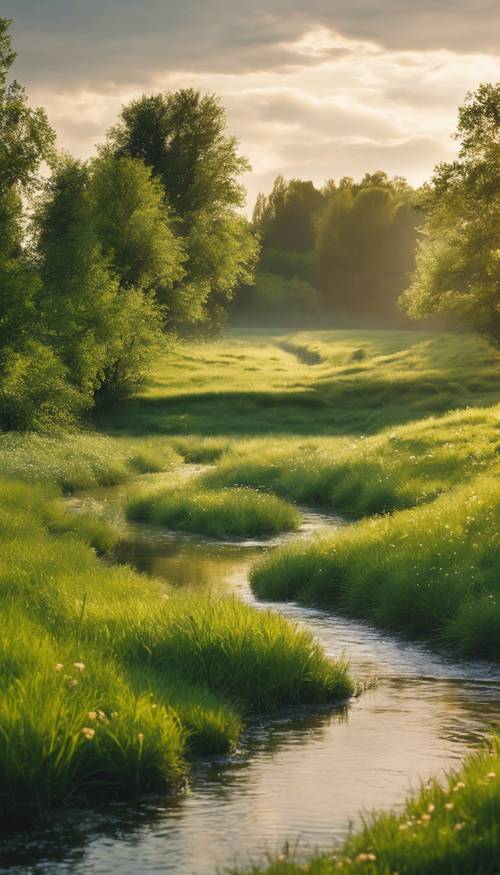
(305, 778)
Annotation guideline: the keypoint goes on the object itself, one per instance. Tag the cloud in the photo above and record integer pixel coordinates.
(121, 40)
(329, 89)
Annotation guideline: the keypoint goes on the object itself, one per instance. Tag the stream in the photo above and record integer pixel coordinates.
(303, 780)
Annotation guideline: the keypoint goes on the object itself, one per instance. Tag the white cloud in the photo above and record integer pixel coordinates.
(342, 106)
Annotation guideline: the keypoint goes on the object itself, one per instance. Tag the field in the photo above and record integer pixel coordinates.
(112, 683)
(400, 430)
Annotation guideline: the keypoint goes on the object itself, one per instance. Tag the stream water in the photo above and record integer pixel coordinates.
(304, 779)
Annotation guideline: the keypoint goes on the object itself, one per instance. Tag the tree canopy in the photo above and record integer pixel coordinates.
(458, 260)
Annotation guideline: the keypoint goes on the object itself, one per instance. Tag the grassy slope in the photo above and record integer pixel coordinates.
(451, 828)
(426, 570)
(108, 682)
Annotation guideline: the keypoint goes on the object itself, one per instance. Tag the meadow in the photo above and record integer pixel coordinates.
(112, 682)
(398, 430)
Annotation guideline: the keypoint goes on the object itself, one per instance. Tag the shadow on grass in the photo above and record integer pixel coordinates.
(333, 407)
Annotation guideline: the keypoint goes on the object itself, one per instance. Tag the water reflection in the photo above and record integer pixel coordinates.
(307, 778)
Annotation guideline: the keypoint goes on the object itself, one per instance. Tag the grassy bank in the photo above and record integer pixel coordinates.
(428, 572)
(79, 460)
(109, 682)
(450, 827)
(394, 469)
(218, 513)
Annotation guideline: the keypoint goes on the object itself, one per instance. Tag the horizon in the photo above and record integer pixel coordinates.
(329, 94)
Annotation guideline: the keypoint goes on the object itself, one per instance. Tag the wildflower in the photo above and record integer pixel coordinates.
(491, 776)
(430, 808)
(92, 715)
(362, 858)
(140, 736)
(425, 818)
(59, 666)
(88, 733)
(101, 716)
(458, 786)
(403, 827)
(459, 826)
(449, 806)
(72, 682)
(80, 666)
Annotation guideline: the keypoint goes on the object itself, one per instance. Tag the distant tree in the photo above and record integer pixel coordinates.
(285, 219)
(182, 137)
(458, 261)
(365, 243)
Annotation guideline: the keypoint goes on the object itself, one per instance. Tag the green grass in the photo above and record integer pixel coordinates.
(428, 572)
(448, 828)
(370, 422)
(109, 682)
(218, 513)
(366, 380)
(395, 469)
(78, 460)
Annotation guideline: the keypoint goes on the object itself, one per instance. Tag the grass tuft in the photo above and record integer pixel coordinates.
(217, 513)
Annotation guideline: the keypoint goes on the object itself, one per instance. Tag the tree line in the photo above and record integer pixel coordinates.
(343, 249)
(99, 258)
(381, 251)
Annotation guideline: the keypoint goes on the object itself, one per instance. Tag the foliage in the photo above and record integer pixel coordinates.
(458, 263)
(181, 137)
(220, 513)
(318, 235)
(106, 685)
(378, 222)
(132, 225)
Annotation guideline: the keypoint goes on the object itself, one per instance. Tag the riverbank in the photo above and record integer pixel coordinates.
(449, 827)
(131, 685)
(111, 683)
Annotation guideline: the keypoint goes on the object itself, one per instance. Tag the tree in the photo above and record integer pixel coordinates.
(26, 137)
(365, 243)
(182, 137)
(102, 328)
(458, 260)
(133, 226)
(286, 218)
(33, 385)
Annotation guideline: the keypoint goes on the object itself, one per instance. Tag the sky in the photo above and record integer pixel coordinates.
(317, 90)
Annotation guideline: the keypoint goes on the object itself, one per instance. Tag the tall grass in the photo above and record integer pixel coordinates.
(395, 469)
(78, 460)
(448, 828)
(218, 513)
(109, 682)
(429, 572)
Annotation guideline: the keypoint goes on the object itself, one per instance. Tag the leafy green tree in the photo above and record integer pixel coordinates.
(458, 261)
(132, 225)
(182, 137)
(365, 243)
(103, 331)
(33, 385)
